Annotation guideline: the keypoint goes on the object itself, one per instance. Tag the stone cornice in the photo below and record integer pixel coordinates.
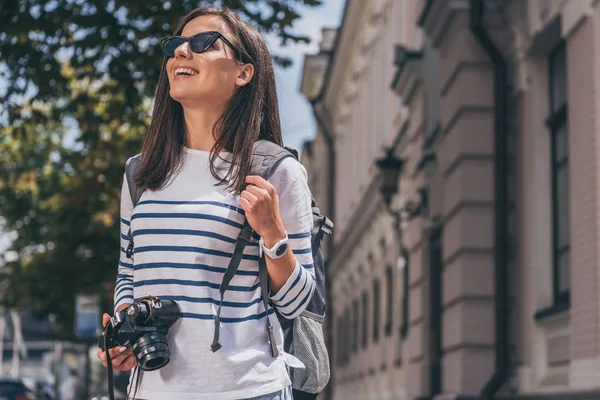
(408, 74)
(437, 14)
(312, 73)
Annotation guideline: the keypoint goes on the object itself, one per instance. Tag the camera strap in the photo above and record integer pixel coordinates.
(111, 388)
(263, 277)
(234, 263)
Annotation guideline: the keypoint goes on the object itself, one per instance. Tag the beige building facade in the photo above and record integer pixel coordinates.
(480, 277)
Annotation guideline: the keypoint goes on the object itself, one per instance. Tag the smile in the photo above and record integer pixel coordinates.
(185, 72)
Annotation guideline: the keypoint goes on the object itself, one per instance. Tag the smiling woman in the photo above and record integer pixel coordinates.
(215, 99)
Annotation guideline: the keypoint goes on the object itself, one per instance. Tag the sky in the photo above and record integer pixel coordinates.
(296, 114)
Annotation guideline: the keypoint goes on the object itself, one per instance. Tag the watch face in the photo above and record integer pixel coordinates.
(281, 250)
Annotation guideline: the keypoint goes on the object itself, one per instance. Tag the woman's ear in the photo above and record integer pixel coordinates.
(245, 75)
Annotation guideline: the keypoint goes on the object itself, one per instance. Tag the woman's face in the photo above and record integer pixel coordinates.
(215, 73)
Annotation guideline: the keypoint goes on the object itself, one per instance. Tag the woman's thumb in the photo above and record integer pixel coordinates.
(105, 319)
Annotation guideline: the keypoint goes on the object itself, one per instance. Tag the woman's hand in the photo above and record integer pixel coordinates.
(261, 206)
(122, 359)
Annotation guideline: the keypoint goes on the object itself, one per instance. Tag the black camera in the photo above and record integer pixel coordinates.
(143, 326)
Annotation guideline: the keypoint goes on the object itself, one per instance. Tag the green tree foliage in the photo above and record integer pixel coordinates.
(76, 85)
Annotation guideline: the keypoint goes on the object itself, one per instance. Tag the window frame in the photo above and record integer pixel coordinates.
(404, 323)
(389, 292)
(356, 331)
(557, 121)
(376, 309)
(365, 319)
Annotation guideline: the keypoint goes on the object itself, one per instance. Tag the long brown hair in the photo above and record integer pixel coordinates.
(251, 114)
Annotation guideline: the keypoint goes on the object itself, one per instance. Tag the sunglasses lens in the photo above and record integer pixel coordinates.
(201, 43)
(170, 44)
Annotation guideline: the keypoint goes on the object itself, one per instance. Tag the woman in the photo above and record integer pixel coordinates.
(215, 98)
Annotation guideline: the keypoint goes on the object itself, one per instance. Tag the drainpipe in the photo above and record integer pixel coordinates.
(500, 198)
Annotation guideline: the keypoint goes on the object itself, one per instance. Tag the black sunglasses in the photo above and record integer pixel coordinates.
(199, 43)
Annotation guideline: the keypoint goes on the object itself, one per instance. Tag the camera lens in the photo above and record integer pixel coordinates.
(151, 351)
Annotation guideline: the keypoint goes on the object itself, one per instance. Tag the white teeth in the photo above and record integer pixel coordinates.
(185, 71)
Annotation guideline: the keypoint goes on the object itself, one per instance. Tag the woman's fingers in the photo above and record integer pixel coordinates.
(261, 183)
(259, 193)
(248, 195)
(102, 356)
(127, 364)
(118, 356)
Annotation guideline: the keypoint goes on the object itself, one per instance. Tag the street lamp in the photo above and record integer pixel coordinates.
(390, 167)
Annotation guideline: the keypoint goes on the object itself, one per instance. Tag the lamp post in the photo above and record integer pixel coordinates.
(390, 168)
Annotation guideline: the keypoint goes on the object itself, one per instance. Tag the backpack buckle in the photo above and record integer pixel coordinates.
(129, 251)
(327, 226)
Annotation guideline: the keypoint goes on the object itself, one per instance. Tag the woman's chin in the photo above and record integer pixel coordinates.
(184, 95)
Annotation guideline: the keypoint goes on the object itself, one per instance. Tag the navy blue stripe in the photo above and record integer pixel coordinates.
(188, 215)
(227, 320)
(122, 288)
(127, 296)
(191, 249)
(302, 251)
(298, 235)
(124, 277)
(124, 236)
(304, 300)
(293, 284)
(203, 267)
(297, 294)
(186, 282)
(124, 264)
(210, 300)
(124, 221)
(210, 203)
(191, 232)
(308, 266)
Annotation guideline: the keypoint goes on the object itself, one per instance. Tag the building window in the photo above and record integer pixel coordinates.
(376, 307)
(559, 143)
(365, 320)
(389, 281)
(404, 267)
(435, 310)
(347, 336)
(355, 326)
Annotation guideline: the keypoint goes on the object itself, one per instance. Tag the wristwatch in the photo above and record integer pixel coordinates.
(277, 251)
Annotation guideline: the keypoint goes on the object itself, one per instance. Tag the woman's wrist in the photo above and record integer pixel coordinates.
(271, 238)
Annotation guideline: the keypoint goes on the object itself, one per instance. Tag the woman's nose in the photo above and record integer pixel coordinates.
(184, 51)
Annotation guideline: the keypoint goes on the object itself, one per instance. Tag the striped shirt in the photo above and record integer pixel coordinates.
(184, 236)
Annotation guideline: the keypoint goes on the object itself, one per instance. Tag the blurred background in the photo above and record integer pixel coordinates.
(454, 143)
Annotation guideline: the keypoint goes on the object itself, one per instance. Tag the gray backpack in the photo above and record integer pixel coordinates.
(303, 335)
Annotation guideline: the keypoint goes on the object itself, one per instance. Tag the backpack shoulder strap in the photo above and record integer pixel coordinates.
(132, 166)
(267, 156)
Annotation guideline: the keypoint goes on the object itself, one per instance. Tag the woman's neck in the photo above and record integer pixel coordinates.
(199, 124)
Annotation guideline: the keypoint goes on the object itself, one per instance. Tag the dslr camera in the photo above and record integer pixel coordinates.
(143, 326)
